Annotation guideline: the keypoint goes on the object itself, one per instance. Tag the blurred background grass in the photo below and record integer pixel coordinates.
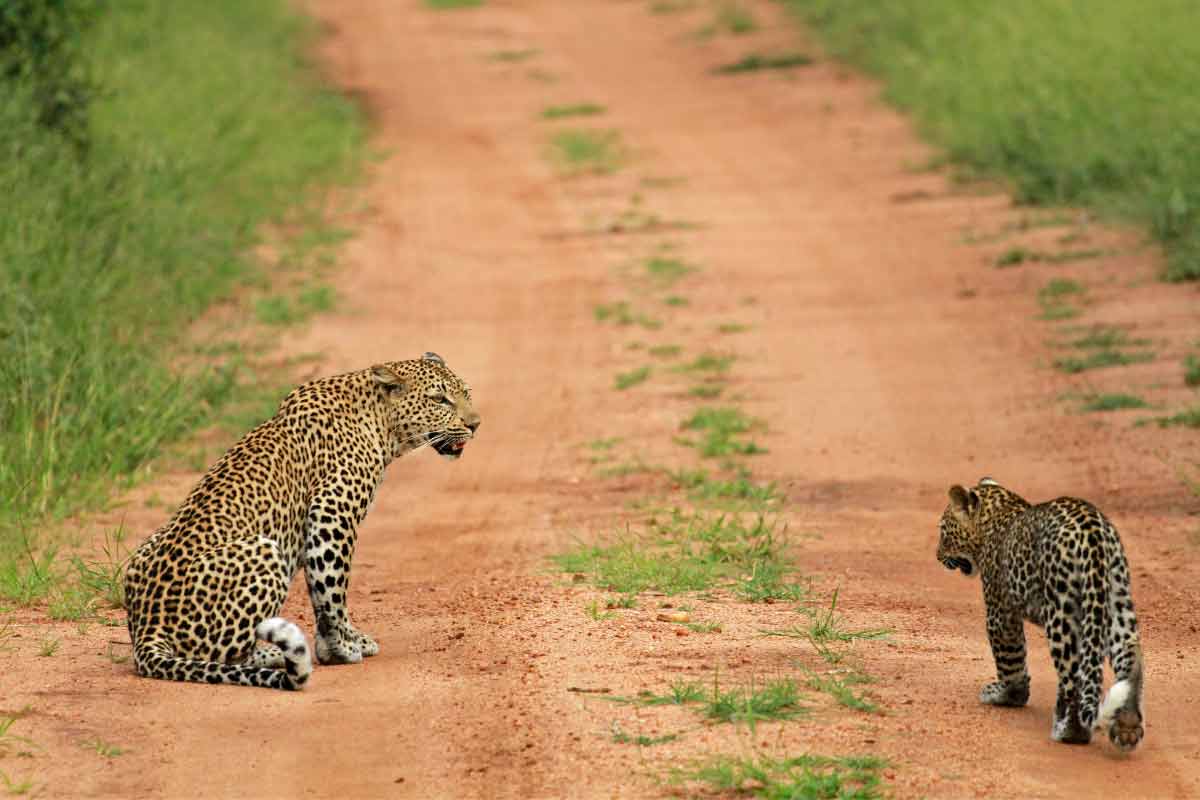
(142, 144)
(1091, 102)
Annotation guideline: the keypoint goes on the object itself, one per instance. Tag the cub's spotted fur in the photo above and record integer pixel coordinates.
(290, 495)
(1059, 565)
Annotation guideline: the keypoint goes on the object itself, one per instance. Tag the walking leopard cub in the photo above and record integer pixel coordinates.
(1059, 565)
(290, 495)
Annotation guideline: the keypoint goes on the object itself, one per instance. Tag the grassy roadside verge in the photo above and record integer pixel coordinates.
(205, 124)
(1094, 108)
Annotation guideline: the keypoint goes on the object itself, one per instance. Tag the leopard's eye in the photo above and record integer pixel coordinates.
(446, 401)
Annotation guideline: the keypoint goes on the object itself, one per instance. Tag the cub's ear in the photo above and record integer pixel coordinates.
(963, 501)
(986, 481)
(387, 376)
(435, 358)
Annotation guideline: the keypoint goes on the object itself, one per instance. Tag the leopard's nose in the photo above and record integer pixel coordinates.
(472, 423)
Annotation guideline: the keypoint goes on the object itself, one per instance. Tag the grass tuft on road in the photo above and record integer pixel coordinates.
(572, 110)
(587, 152)
(807, 776)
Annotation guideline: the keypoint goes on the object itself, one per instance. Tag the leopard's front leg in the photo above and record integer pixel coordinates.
(1006, 634)
(329, 539)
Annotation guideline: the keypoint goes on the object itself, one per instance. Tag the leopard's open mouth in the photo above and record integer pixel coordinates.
(450, 448)
(960, 564)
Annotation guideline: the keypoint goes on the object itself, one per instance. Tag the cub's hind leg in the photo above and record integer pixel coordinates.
(1063, 635)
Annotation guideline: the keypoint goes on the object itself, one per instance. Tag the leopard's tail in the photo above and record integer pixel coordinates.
(1121, 712)
(157, 659)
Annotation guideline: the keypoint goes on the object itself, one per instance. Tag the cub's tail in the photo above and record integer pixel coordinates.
(1121, 712)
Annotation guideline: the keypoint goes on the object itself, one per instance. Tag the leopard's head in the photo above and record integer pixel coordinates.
(425, 404)
(969, 519)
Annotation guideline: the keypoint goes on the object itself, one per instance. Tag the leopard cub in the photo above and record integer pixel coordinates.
(1059, 565)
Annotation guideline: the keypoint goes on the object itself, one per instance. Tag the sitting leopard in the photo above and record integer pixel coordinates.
(290, 495)
(1059, 565)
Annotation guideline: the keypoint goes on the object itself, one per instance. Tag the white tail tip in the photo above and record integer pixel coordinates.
(1113, 702)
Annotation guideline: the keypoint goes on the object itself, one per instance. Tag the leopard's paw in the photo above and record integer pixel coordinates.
(1005, 694)
(337, 648)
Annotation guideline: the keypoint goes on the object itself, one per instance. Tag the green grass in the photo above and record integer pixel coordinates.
(1105, 337)
(1053, 298)
(726, 328)
(627, 380)
(805, 777)
(15, 787)
(720, 426)
(671, 6)
(105, 259)
(103, 748)
(734, 17)
(675, 301)
(665, 350)
(1020, 255)
(1113, 402)
(1100, 359)
(842, 689)
(686, 552)
(680, 693)
(572, 110)
(666, 271)
(622, 313)
(706, 391)
(717, 363)
(740, 492)
(597, 612)
(1189, 418)
(449, 5)
(620, 737)
(291, 310)
(513, 56)
(587, 152)
(824, 629)
(1098, 109)
(1191, 370)
(757, 61)
(778, 700)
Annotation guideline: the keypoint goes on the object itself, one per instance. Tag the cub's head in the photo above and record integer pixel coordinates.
(958, 539)
(425, 404)
(969, 519)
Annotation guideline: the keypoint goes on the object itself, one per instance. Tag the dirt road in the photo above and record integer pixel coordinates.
(888, 358)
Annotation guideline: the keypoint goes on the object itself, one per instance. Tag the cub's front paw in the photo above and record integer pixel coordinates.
(1005, 694)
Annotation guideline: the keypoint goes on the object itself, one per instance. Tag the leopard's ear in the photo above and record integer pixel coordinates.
(386, 376)
(986, 481)
(434, 357)
(963, 501)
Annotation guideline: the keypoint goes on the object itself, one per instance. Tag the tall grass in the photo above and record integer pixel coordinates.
(1091, 103)
(206, 123)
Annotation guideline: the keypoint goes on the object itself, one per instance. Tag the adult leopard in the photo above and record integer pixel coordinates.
(290, 495)
(1059, 565)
